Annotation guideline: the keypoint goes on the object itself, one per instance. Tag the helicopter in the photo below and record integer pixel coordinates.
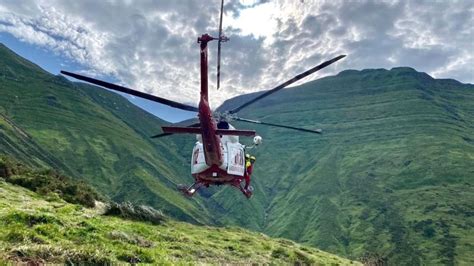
(218, 158)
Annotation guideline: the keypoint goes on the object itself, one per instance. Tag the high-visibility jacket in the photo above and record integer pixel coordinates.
(248, 167)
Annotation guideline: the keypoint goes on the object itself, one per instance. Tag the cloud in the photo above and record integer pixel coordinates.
(151, 45)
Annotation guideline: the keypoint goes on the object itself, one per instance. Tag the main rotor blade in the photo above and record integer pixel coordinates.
(161, 135)
(219, 47)
(317, 131)
(285, 84)
(132, 92)
(219, 64)
(167, 134)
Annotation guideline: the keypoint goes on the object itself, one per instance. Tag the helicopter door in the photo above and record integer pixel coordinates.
(235, 159)
(198, 161)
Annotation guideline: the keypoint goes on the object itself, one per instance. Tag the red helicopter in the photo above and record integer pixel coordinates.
(218, 158)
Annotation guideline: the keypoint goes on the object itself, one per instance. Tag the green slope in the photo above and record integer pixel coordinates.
(391, 177)
(41, 230)
(90, 133)
(19, 144)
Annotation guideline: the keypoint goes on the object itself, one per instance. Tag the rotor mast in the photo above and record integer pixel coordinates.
(210, 139)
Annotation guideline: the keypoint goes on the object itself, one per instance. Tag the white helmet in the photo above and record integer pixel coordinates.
(257, 140)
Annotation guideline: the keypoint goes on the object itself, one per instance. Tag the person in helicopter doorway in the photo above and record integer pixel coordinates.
(249, 162)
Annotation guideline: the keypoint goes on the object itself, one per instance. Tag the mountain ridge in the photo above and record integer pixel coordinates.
(386, 133)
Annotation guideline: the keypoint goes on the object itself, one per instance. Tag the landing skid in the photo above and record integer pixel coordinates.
(247, 192)
(191, 190)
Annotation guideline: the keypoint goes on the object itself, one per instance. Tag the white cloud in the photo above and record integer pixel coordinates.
(151, 45)
(259, 21)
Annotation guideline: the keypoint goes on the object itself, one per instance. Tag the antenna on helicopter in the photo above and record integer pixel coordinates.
(221, 39)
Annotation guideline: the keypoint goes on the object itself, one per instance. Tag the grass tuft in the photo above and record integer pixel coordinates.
(38, 254)
(29, 219)
(136, 256)
(131, 239)
(130, 211)
(280, 253)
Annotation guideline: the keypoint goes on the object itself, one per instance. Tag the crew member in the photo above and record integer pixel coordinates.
(249, 161)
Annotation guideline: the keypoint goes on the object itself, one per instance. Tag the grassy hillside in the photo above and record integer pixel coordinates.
(391, 177)
(90, 133)
(42, 229)
(19, 144)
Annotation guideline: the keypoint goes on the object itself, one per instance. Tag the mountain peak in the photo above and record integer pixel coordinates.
(404, 69)
(394, 72)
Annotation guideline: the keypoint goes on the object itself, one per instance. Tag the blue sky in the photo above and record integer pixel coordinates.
(150, 45)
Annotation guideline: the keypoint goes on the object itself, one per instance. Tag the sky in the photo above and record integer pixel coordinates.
(150, 45)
